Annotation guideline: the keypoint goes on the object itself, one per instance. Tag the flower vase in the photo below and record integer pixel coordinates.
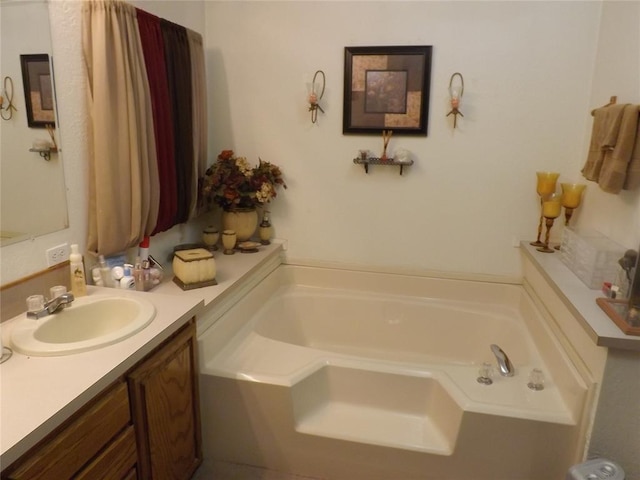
(243, 221)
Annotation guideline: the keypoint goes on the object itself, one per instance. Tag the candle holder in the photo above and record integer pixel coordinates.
(571, 198)
(551, 208)
(545, 185)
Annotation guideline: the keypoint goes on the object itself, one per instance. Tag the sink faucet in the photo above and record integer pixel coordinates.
(52, 305)
(504, 364)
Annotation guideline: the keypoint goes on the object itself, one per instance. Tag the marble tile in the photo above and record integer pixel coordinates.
(235, 471)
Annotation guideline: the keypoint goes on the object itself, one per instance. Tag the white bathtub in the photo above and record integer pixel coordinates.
(316, 368)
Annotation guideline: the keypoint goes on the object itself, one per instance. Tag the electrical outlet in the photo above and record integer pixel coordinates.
(58, 254)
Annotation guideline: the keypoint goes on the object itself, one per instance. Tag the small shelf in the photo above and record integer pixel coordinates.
(45, 152)
(379, 161)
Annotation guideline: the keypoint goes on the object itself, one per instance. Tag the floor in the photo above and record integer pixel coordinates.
(235, 471)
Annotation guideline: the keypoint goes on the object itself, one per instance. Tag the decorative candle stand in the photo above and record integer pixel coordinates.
(551, 207)
(546, 185)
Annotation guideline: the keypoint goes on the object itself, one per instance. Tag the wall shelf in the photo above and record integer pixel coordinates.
(379, 161)
(45, 152)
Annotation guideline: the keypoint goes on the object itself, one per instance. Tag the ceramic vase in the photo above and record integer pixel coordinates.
(243, 221)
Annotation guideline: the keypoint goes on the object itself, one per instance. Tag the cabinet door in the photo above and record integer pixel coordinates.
(166, 412)
(63, 453)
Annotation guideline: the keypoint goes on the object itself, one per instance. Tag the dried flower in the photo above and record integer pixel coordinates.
(231, 182)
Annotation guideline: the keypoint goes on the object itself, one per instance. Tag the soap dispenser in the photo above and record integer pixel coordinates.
(78, 280)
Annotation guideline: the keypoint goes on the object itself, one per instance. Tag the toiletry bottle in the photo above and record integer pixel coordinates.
(78, 281)
(143, 250)
(105, 272)
(137, 275)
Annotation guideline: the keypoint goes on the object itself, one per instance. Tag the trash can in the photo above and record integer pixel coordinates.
(596, 469)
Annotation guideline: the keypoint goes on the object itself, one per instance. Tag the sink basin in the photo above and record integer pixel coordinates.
(88, 323)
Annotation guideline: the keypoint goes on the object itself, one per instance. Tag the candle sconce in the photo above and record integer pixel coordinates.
(314, 97)
(7, 94)
(455, 95)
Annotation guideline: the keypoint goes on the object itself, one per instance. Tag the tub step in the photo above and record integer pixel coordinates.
(379, 408)
(375, 426)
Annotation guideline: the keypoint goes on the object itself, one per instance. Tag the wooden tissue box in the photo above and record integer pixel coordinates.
(194, 268)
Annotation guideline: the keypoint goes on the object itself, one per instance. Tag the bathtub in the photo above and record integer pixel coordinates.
(358, 375)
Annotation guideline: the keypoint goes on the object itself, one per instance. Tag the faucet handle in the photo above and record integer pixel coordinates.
(35, 303)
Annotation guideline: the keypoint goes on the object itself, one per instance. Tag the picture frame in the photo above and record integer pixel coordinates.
(386, 88)
(38, 90)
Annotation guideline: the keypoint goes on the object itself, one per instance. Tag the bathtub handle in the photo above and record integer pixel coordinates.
(504, 364)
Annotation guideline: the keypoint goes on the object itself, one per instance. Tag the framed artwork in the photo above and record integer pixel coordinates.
(38, 89)
(386, 88)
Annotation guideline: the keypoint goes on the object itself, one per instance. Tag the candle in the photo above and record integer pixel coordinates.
(546, 182)
(572, 194)
(551, 206)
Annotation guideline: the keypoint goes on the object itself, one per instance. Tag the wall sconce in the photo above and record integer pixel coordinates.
(314, 98)
(455, 95)
(8, 93)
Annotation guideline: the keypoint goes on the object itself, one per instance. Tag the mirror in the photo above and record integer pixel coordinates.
(32, 191)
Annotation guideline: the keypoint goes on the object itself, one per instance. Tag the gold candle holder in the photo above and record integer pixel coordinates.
(546, 185)
(571, 198)
(551, 208)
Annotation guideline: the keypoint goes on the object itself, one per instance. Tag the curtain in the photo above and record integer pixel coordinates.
(178, 61)
(123, 175)
(147, 100)
(154, 56)
(199, 89)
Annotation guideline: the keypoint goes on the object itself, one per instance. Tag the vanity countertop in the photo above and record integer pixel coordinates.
(581, 300)
(37, 394)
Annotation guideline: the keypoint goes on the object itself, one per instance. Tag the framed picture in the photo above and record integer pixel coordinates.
(38, 89)
(386, 88)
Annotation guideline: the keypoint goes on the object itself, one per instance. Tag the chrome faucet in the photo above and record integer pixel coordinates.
(504, 364)
(52, 305)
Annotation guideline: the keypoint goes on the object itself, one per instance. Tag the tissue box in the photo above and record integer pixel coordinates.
(590, 255)
(194, 268)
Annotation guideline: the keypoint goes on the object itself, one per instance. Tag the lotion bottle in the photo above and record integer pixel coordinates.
(78, 280)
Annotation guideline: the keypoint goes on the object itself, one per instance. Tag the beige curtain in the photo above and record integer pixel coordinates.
(199, 91)
(123, 172)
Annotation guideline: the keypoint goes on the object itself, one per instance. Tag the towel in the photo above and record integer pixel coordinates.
(633, 170)
(604, 134)
(618, 152)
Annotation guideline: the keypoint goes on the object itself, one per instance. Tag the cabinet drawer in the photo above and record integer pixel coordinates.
(62, 455)
(116, 461)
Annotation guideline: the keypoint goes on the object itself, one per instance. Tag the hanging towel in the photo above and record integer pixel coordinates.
(604, 134)
(632, 181)
(616, 160)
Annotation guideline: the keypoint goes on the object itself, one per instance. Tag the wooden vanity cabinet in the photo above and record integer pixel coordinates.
(146, 426)
(97, 443)
(166, 409)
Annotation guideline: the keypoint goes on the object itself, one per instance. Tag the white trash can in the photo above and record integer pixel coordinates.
(596, 469)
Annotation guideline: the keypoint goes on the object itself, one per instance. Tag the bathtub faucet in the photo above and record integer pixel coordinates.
(504, 364)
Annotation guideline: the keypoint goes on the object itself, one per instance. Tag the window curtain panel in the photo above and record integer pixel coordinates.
(199, 89)
(178, 61)
(154, 56)
(123, 175)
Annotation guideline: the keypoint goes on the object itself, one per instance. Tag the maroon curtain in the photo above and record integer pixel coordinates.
(154, 57)
(178, 63)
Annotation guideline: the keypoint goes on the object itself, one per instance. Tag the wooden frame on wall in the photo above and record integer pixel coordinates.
(38, 90)
(386, 88)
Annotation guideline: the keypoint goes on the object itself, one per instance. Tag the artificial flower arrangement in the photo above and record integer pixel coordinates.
(232, 183)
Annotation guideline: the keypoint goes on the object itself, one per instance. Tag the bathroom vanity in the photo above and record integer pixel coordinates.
(127, 410)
